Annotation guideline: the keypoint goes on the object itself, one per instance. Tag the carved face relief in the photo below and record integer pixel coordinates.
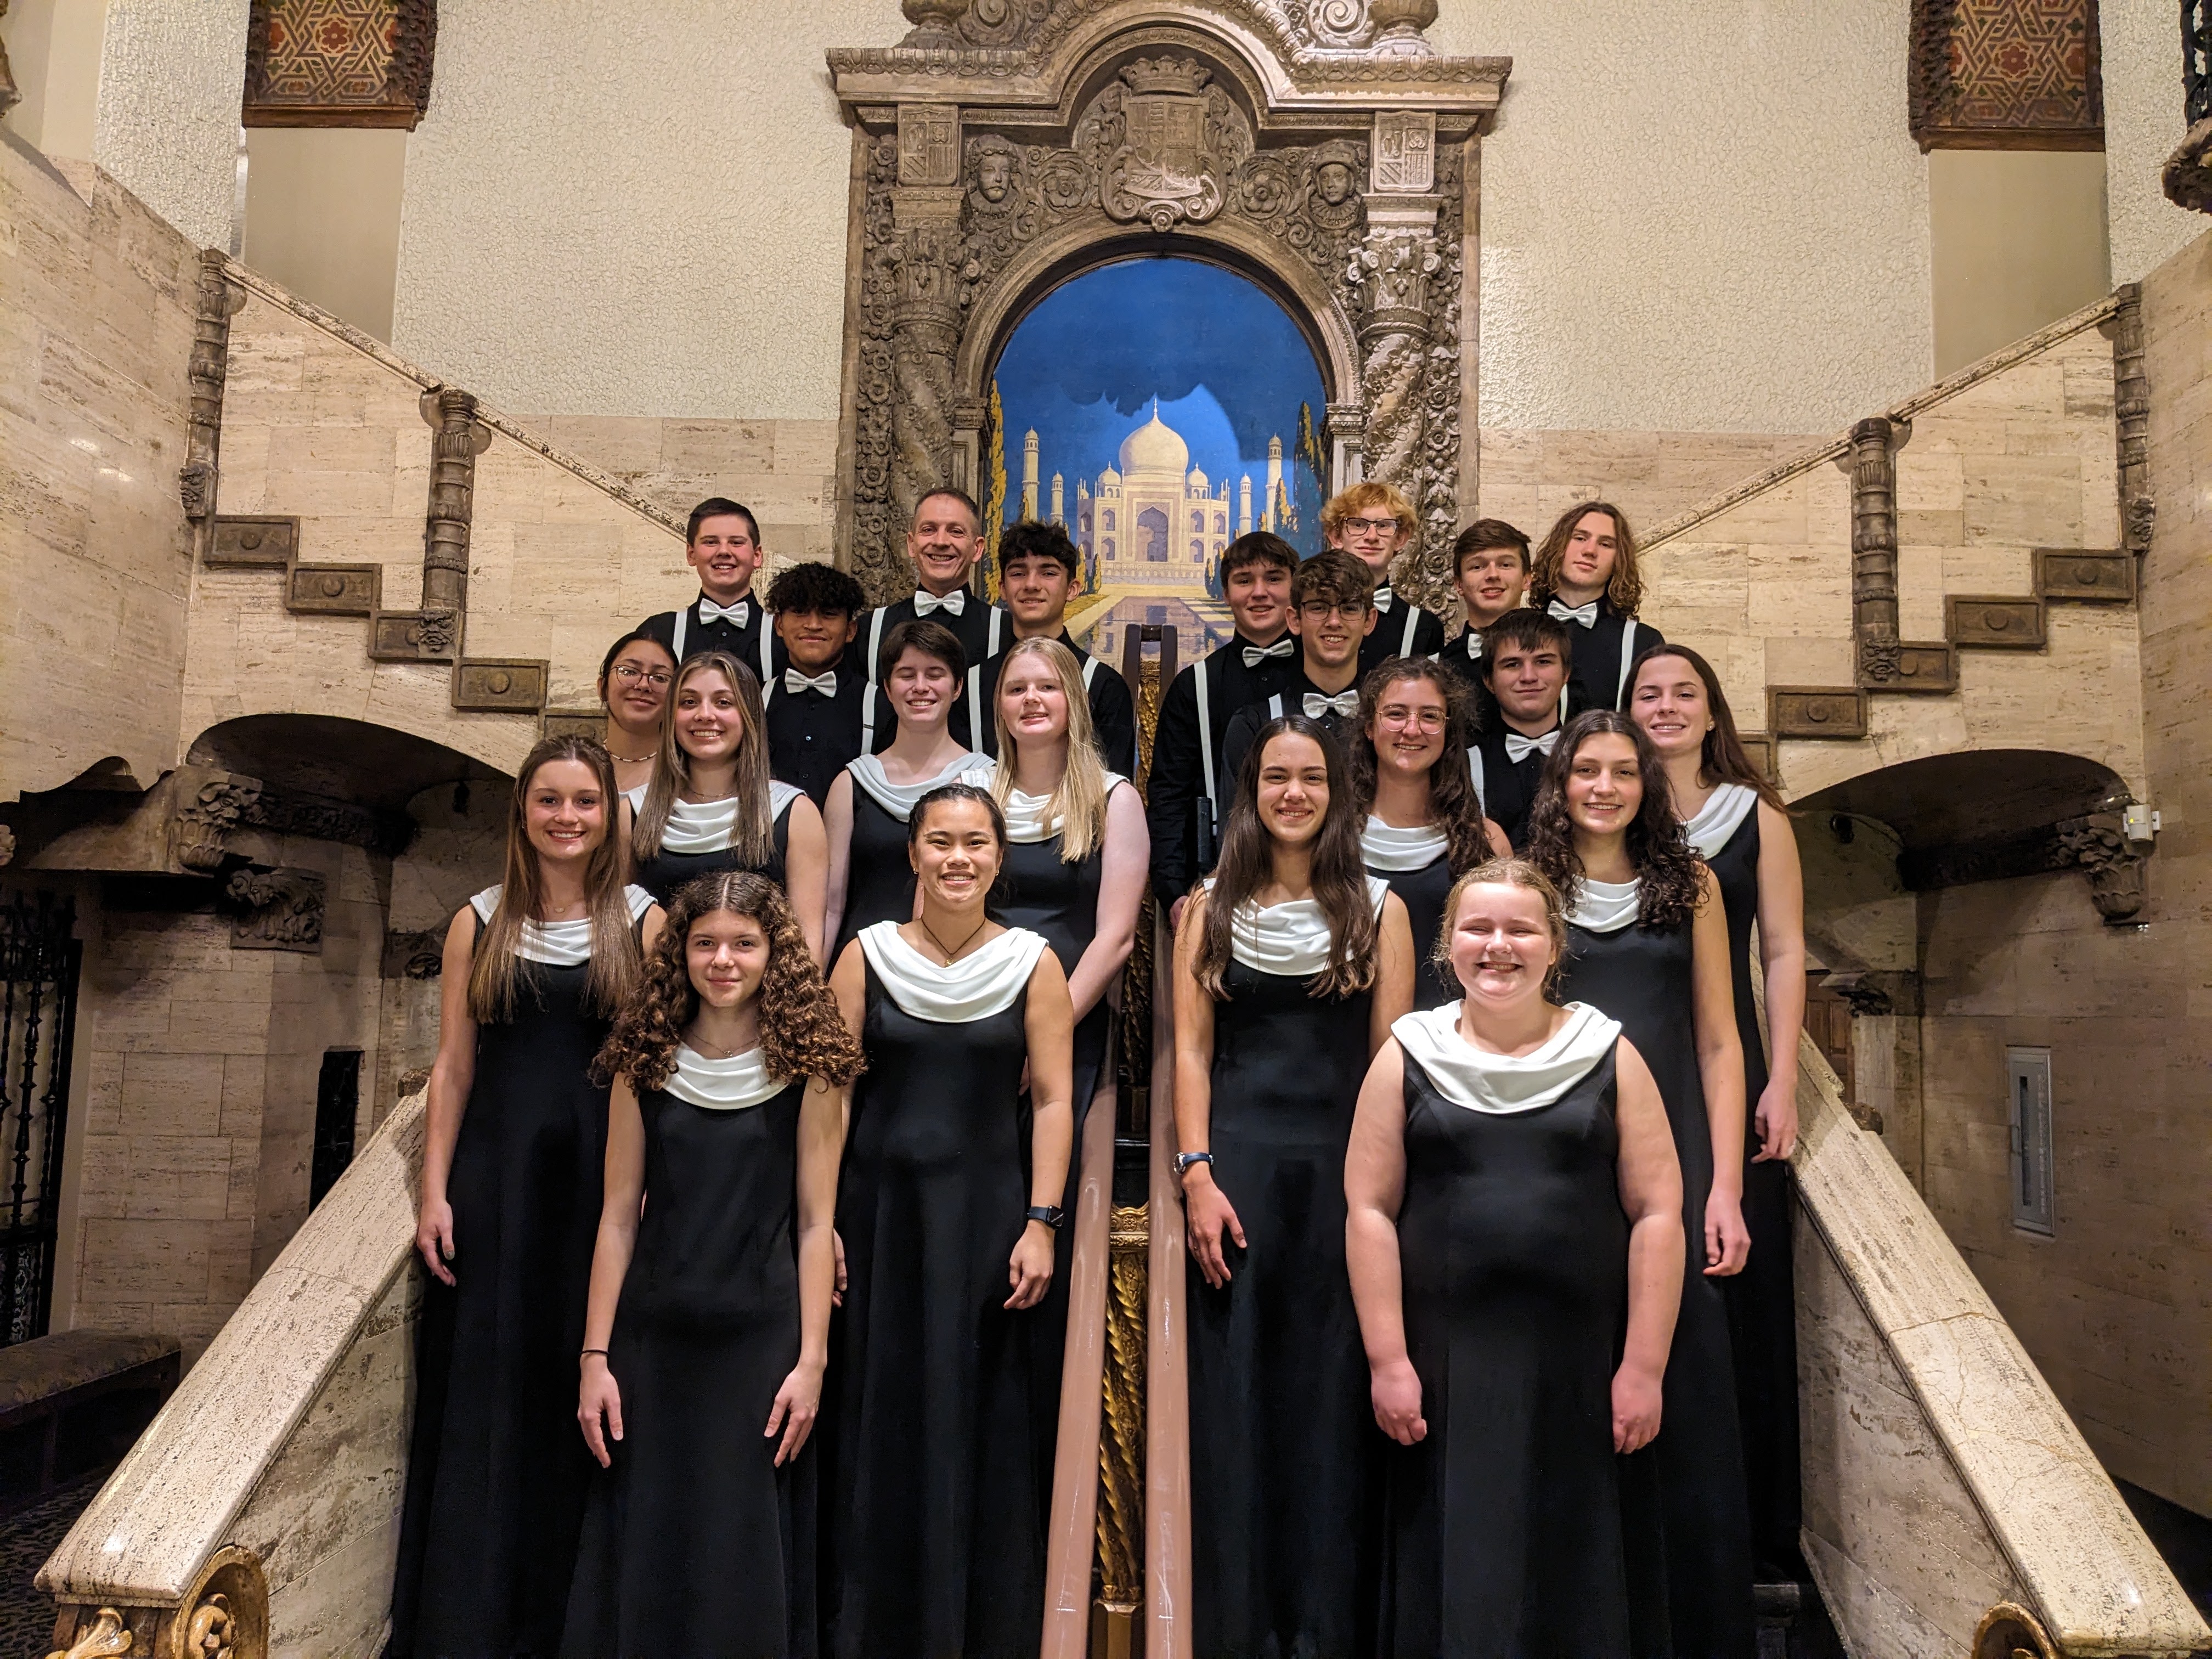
(994, 176)
(1333, 182)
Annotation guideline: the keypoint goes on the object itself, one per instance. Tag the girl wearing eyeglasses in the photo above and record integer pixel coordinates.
(634, 681)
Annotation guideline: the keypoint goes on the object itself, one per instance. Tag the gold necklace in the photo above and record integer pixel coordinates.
(952, 955)
(700, 1043)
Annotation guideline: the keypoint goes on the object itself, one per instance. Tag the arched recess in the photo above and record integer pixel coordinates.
(1000, 150)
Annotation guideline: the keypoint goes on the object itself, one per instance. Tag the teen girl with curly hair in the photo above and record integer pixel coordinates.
(1648, 946)
(708, 1330)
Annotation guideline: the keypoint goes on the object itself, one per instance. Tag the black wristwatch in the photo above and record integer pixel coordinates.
(1051, 1214)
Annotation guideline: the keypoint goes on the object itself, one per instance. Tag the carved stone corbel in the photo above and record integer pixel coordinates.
(279, 910)
(209, 804)
(2131, 421)
(218, 301)
(2099, 844)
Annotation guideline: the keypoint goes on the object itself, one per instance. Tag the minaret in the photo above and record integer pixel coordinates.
(1274, 482)
(1245, 505)
(1058, 516)
(1030, 474)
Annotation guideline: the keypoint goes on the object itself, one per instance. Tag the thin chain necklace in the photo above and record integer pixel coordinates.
(629, 760)
(952, 953)
(700, 1044)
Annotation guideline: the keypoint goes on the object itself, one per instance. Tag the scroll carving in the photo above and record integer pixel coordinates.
(1121, 1446)
(279, 910)
(1162, 143)
(105, 1637)
(2115, 866)
(211, 805)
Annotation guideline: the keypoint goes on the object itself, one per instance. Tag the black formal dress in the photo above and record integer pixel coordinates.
(934, 1513)
(1338, 713)
(1507, 768)
(1285, 1499)
(694, 1541)
(878, 877)
(1762, 1301)
(1605, 646)
(695, 840)
(1644, 978)
(1507, 1536)
(1417, 863)
(1402, 628)
(984, 630)
(497, 1475)
(743, 629)
(1180, 801)
(814, 730)
(1113, 711)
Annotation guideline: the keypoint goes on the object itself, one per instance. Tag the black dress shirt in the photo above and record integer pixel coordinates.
(1508, 787)
(1245, 726)
(984, 630)
(1603, 652)
(812, 736)
(1402, 628)
(1177, 792)
(753, 642)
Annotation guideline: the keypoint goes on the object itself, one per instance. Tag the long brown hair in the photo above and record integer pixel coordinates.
(1512, 870)
(1340, 873)
(1626, 587)
(1671, 873)
(752, 837)
(1078, 801)
(1453, 803)
(1723, 758)
(801, 1032)
(496, 972)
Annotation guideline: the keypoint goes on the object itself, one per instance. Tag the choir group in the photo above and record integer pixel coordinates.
(750, 1135)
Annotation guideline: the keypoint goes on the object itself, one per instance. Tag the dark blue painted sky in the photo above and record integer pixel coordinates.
(1229, 367)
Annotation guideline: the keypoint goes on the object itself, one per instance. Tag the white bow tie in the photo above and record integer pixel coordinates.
(1584, 614)
(1256, 654)
(1383, 597)
(925, 601)
(1344, 703)
(795, 683)
(709, 612)
(1517, 747)
(1473, 643)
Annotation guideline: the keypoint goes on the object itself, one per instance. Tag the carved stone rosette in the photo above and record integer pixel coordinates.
(1009, 145)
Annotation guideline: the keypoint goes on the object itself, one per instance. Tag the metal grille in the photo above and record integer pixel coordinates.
(2197, 59)
(40, 957)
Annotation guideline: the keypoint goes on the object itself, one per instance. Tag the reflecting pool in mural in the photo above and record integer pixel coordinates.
(1159, 408)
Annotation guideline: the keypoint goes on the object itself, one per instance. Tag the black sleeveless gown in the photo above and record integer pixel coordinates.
(878, 879)
(1285, 1494)
(1642, 978)
(933, 1529)
(694, 1541)
(1423, 891)
(497, 1476)
(1761, 1300)
(664, 872)
(1505, 1532)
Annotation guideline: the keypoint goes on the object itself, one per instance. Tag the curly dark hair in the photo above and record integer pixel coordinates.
(1452, 799)
(800, 1028)
(1673, 876)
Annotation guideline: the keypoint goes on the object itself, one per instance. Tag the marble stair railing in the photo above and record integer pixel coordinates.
(258, 1514)
(1952, 1507)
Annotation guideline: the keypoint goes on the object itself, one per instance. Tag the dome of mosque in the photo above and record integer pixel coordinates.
(1155, 447)
(1196, 481)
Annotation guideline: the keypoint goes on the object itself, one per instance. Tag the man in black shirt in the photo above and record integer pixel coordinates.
(1585, 573)
(722, 543)
(1037, 566)
(944, 542)
(1195, 714)
(1527, 658)
(813, 706)
(1332, 612)
(1374, 523)
(1490, 568)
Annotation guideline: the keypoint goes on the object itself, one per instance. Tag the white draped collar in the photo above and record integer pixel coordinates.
(723, 1085)
(1484, 1081)
(556, 944)
(707, 826)
(984, 982)
(1025, 815)
(898, 798)
(1385, 847)
(1719, 818)
(1607, 907)
(1291, 939)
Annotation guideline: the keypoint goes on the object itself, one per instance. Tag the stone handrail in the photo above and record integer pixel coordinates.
(146, 1542)
(1943, 1480)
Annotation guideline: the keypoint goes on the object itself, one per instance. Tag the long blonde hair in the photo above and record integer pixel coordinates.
(752, 837)
(1079, 801)
(496, 971)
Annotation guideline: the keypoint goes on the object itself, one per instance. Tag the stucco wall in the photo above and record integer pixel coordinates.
(172, 73)
(2141, 41)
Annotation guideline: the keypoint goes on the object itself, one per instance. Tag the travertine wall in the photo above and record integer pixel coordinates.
(1529, 478)
(95, 557)
(2114, 1306)
(199, 1103)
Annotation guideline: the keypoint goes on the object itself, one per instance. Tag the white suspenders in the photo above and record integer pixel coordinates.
(683, 624)
(1474, 766)
(767, 633)
(1275, 707)
(975, 708)
(1412, 621)
(1089, 669)
(1627, 659)
(1205, 746)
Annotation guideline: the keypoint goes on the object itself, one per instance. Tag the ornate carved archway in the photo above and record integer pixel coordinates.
(1319, 146)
